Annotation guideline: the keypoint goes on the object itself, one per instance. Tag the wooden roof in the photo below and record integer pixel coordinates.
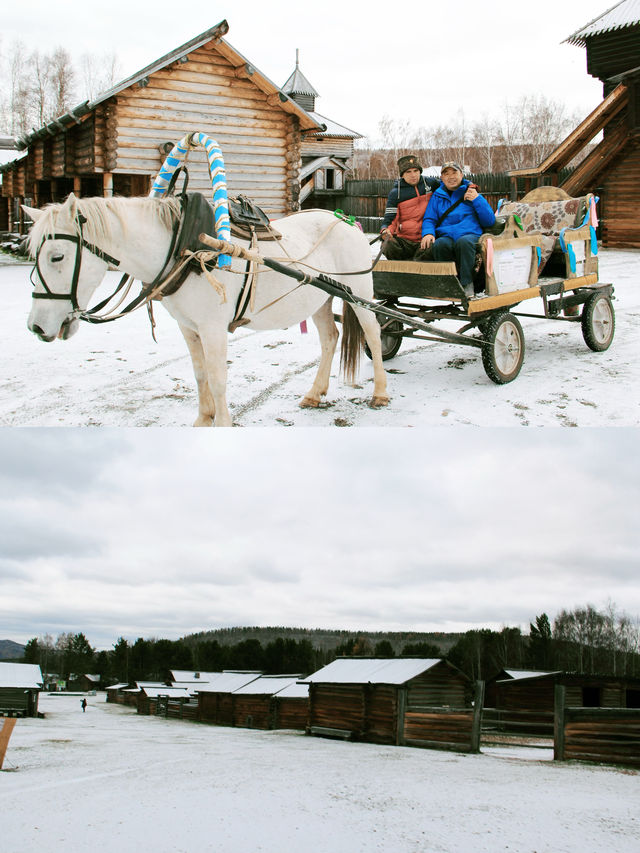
(624, 14)
(243, 69)
(581, 135)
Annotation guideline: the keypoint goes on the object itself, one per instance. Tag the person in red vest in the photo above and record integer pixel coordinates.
(402, 223)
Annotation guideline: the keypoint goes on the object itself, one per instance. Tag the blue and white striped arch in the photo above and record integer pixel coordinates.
(217, 175)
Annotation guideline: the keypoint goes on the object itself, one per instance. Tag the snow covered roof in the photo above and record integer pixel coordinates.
(332, 127)
(229, 682)
(520, 674)
(188, 676)
(623, 14)
(295, 691)
(117, 686)
(375, 670)
(26, 675)
(267, 685)
(171, 692)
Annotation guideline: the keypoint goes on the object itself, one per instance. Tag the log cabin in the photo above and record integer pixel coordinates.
(612, 168)
(115, 144)
(400, 701)
(20, 686)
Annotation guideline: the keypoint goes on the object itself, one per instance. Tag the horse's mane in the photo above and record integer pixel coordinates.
(99, 214)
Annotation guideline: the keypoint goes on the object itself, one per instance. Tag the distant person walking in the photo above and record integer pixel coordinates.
(84, 705)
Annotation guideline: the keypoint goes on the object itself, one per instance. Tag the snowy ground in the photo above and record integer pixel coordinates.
(115, 782)
(115, 375)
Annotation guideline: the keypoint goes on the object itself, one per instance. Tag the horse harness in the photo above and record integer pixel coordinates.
(247, 221)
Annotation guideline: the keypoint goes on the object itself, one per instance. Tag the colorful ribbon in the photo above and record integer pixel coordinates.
(217, 175)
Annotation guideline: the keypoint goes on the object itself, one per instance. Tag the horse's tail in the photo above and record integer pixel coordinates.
(352, 343)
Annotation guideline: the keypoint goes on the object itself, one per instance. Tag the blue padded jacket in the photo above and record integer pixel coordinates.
(469, 217)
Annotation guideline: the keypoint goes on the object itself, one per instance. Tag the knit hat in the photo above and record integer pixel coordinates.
(409, 161)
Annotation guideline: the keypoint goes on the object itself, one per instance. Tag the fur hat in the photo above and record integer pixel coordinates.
(451, 165)
(409, 161)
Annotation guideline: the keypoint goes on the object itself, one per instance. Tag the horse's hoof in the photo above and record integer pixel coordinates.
(309, 403)
(378, 402)
(203, 421)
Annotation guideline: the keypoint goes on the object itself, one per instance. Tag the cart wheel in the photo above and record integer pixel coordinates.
(502, 357)
(390, 338)
(598, 322)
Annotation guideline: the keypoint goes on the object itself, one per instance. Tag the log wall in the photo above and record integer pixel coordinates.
(206, 94)
(603, 735)
(291, 713)
(620, 225)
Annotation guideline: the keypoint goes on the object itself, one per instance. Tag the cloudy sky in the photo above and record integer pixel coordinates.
(159, 533)
(416, 61)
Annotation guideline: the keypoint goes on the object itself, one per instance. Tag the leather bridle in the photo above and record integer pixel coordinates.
(80, 243)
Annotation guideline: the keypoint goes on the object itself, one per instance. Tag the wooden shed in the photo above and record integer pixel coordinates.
(115, 693)
(523, 700)
(116, 143)
(255, 705)
(215, 700)
(391, 700)
(612, 168)
(20, 686)
(292, 707)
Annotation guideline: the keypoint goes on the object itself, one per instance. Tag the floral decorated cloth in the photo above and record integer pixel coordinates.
(548, 218)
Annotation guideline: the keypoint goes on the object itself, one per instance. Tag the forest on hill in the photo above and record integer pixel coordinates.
(583, 640)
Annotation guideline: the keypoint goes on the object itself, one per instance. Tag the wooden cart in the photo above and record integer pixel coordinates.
(414, 294)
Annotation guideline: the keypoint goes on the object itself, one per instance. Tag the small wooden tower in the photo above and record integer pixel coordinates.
(324, 153)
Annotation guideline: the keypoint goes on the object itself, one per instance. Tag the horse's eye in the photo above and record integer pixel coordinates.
(55, 259)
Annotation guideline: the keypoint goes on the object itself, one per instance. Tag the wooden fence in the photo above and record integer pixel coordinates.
(455, 729)
(603, 735)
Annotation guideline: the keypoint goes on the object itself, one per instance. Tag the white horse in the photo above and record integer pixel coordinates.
(76, 242)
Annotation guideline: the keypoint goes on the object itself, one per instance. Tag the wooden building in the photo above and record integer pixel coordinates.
(523, 701)
(325, 153)
(215, 701)
(20, 686)
(612, 168)
(292, 707)
(115, 693)
(116, 143)
(412, 701)
(256, 706)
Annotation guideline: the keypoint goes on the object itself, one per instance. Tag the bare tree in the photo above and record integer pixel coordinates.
(99, 73)
(61, 80)
(485, 137)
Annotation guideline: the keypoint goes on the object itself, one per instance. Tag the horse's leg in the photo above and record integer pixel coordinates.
(214, 346)
(328, 333)
(371, 329)
(206, 407)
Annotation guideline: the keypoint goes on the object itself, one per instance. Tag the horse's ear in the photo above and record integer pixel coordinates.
(32, 212)
(69, 209)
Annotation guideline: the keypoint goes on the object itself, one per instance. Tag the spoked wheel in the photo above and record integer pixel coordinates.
(503, 355)
(598, 322)
(390, 338)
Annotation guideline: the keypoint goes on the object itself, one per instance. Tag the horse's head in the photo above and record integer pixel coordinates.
(67, 269)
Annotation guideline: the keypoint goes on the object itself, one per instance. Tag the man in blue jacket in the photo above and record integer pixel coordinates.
(453, 221)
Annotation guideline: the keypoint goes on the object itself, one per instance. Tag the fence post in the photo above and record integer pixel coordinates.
(400, 711)
(476, 726)
(558, 722)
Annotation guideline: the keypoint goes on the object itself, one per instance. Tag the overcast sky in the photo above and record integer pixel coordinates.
(160, 533)
(416, 61)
